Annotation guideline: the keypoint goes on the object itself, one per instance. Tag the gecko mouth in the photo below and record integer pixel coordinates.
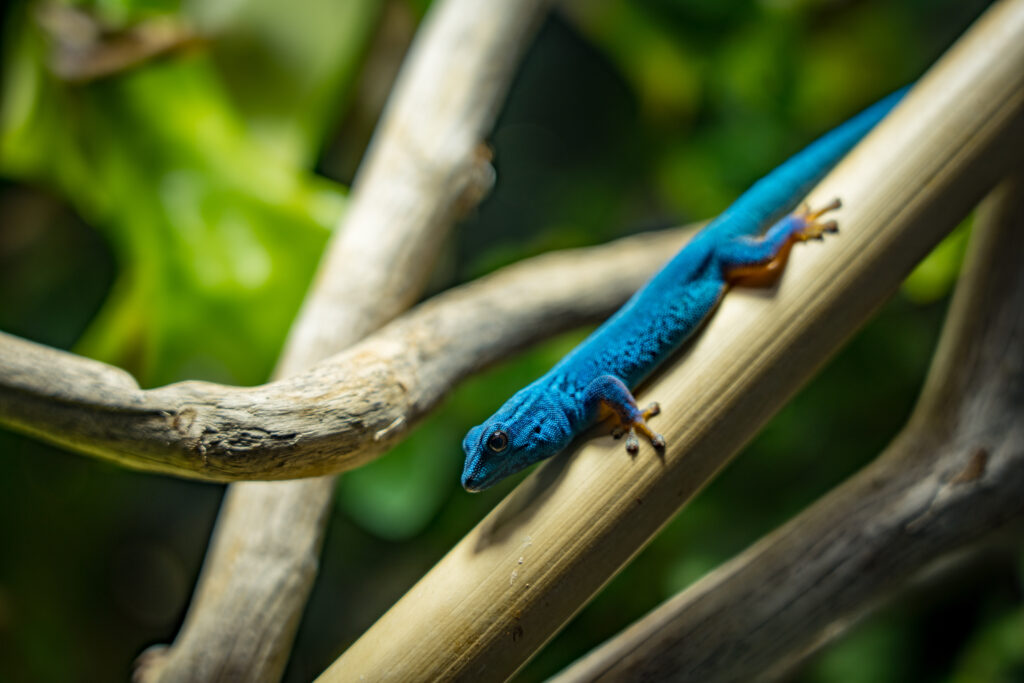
(472, 486)
(471, 476)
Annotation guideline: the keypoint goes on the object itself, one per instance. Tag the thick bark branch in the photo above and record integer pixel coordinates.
(421, 169)
(953, 477)
(542, 553)
(341, 413)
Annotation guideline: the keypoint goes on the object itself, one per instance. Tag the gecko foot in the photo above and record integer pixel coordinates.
(815, 229)
(640, 425)
(615, 401)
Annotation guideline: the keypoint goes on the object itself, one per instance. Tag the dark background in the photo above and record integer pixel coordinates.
(168, 218)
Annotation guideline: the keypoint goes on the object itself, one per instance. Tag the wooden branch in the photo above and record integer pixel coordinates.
(422, 168)
(507, 587)
(83, 49)
(953, 477)
(341, 413)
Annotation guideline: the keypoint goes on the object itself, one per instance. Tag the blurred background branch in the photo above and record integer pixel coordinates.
(82, 48)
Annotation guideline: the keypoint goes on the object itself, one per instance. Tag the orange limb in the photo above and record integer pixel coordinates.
(629, 428)
(767, 274)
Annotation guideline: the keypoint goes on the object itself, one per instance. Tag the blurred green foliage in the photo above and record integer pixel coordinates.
(994, 653)
(198, 173)
(197, 169)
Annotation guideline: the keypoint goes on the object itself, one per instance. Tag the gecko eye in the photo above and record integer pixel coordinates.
(498, 441)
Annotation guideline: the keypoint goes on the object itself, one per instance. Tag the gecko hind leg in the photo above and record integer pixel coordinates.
(814, 229)
(609, 396)
(758, 261)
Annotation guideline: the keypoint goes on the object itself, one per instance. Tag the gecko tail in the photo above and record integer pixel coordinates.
(774, 195)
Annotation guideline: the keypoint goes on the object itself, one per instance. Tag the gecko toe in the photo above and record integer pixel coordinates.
(658, 441)
(815, 229)
(632, 444)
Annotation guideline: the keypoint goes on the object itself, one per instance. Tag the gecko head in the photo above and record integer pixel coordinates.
(528, 428)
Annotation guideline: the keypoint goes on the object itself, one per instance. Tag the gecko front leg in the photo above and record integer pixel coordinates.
(608, 396)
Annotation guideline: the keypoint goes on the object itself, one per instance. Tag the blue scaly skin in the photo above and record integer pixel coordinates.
(594, 380)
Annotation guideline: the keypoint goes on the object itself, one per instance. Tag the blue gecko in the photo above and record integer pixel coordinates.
(595, 379)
